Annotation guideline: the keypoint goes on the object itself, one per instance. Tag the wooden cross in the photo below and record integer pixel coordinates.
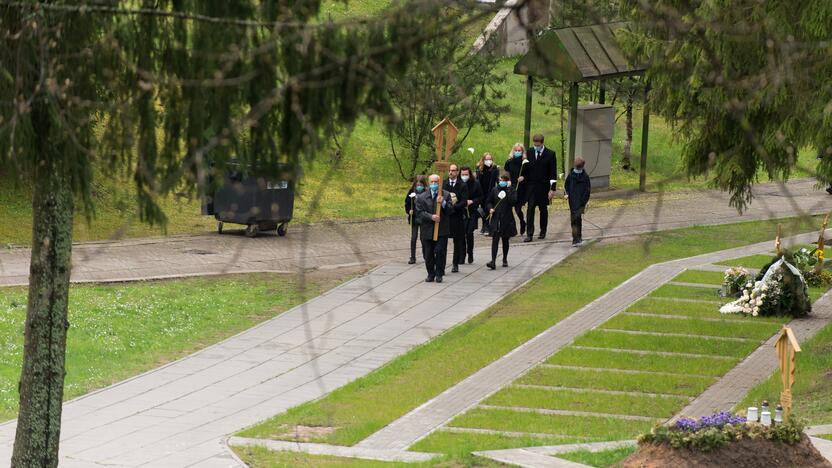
(819, 265)
(786, 346)
(777, 241)
(444, 138)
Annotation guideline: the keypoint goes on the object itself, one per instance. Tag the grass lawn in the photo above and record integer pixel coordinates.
(370, 403)
(571, 356)
(751, 261)
(674, 344)
(603, 379)
(700, 276)
(813, 382)
(719, 326)
(601, 458)
(119, 330)
(687, 292)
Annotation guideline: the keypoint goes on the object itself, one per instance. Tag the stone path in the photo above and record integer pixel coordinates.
(544, 456)
(435, 413)
(179, 414)
(377, 242)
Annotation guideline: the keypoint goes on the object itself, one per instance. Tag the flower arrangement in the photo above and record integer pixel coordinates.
(734, 280)
(719, 429)
(779, 290)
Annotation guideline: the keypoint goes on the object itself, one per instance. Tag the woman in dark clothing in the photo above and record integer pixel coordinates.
(416, 188)
(475, 199)
(514, 166)
(499, 204)
(488, 174)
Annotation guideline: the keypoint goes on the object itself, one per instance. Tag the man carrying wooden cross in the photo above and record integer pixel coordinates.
(434, 251)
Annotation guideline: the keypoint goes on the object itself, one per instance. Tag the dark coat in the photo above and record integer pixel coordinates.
(410, 205)
(459, 213)
(502, 221)
(425, 207)
(514, 166)
(475, 195)
(577, 187)
(540, 171)
(488, 178)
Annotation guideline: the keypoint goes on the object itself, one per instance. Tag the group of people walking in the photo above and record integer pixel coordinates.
(529, 178)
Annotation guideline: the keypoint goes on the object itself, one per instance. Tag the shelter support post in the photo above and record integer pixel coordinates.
(527, 128)
(645, 128)
(573, 123)
(602, 92)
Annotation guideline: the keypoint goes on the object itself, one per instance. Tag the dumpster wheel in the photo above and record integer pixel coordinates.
(281, 229)
(252, 230)
(219, 227)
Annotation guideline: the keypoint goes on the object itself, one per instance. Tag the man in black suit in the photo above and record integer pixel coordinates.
(459, 198)
(540, 180)
(434, 251)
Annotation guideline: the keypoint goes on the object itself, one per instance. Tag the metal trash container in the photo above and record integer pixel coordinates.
(261, 202)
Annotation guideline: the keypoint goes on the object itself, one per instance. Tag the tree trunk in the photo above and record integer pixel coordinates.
(42, 377)
(628, 143)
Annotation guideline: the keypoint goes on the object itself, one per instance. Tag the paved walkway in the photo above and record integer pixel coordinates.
(376, 242)
(179, 414)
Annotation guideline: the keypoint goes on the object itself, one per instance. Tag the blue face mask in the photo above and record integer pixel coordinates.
(503, 184)
(434, 187)
(517, 154)
(420, 188)
(578, 171)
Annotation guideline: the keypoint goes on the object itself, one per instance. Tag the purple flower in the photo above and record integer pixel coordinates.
(717, 420)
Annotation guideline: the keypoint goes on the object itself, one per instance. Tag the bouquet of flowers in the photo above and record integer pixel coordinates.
(734, 281)
(781, 291)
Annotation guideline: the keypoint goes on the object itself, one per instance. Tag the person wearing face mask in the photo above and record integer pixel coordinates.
(514, 166)
(474, 202)
(434, 251)
(459, 196)
(541, 179)
(577, 188)
(499, 204)
(488, 174)
(416, 188)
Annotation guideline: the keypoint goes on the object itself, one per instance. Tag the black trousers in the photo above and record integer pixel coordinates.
(414, 236)
(458, 235)
(495, 244)
(576, 222)
(470, 228)
(537, 199)
(518, 210)
(435, 252)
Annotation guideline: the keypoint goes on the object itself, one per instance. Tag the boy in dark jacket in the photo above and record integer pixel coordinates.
(577, 194)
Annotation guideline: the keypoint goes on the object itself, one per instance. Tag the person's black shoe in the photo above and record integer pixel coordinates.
(829, 190)
(438, 279)
(429, 279)
(411, 261)
(505, 264)
(527, 239)
(470, 258)
(455, 268)
(491, 265)
(542, 236)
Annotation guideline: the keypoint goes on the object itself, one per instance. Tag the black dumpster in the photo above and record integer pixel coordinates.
(260, 201)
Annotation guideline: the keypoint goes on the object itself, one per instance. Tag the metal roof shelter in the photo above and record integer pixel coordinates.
(576, 55)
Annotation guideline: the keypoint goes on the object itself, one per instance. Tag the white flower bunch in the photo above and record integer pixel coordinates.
(755, 297)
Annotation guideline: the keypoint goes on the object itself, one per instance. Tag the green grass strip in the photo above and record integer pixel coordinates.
(637, 405)
(750, 329)
(611, 380)
(366, 405)
(651, 362)
(692, 309)
(700, 276)
(752, 261)
(673, 344)
(601, 458)
(587, 426)
(462, 444)
(676, 291)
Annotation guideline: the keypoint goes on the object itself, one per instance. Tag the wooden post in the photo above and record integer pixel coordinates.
(786, 346)
(573, 122)
(645, 128)
(527, 129)
(602, 92)
(444, 137)
(777, 249)
(820, 254)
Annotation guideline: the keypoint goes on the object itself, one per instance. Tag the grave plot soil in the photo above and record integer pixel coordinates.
(746, 453)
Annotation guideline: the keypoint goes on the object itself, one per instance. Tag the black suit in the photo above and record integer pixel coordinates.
(476, 198)
(460, 189)
(434, 251)
(540, 176)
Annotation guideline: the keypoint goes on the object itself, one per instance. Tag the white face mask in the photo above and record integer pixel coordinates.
(488, 162)
(465, 178)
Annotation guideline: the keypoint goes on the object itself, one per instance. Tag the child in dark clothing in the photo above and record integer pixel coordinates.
(577, 194)
(416, 188)
(499, 205)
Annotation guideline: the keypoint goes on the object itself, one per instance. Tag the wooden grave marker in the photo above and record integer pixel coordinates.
(786, 346)
(444, 138)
